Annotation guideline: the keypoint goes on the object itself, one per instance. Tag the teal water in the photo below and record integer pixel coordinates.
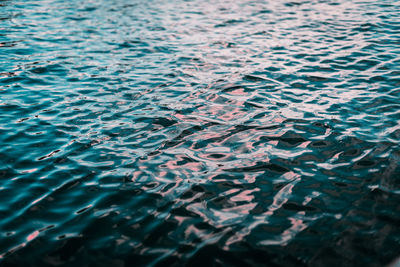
(219, 133)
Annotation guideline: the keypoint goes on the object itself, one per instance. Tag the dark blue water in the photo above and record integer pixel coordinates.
(219, 133)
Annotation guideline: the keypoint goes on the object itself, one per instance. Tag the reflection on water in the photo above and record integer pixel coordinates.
(199, 132)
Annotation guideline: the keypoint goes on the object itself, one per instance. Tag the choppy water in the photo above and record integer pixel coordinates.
(199, 132)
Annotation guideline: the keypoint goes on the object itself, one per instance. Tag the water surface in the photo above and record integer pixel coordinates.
(236, 132)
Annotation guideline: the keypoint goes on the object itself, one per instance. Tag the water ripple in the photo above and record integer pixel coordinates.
(236, 133)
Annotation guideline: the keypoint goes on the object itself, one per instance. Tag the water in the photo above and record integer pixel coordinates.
(153, 133)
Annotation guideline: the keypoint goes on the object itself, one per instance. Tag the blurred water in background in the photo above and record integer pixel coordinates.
(231, 132)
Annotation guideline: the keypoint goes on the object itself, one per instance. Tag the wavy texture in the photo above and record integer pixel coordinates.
(199, 132)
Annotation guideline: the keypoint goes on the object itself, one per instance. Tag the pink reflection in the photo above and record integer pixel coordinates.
(163, 174)
(174, 165)
(274, 142)
(278, 120)
(180, 219)
(242, 209)
(290, 175)
(304, 144)
(32, 236)
(239, 92)
(192, 230)
(210, 135)
(136, 175)
(30, 171)
(180, 116)
(249, 178)
(298, 225)
(223, 112)
(244, 196)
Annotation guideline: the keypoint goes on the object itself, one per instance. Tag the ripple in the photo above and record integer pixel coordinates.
(196, 132)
